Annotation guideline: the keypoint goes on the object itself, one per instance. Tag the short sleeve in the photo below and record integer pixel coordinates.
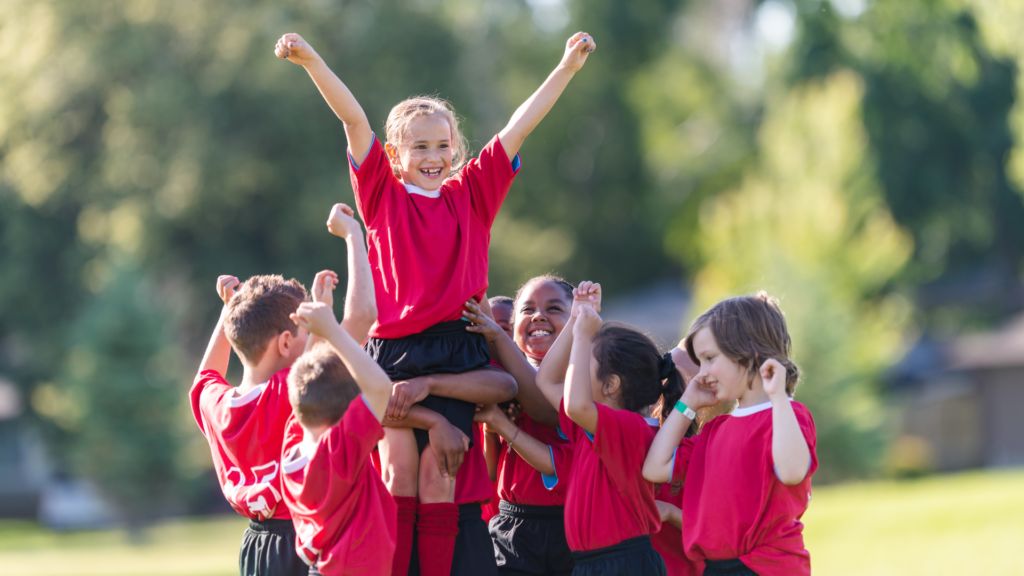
(681, 460)
(806, 423)
(566, 427)
(489, 176)
(350, 441)
(207, 380)
(561, 461)
(621, 441)
(370, 180)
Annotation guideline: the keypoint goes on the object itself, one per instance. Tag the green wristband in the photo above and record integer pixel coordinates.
(686, 410)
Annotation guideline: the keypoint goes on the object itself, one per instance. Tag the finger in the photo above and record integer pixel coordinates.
(389, 412)
(347, 210)
(406, 406)
(442, 463)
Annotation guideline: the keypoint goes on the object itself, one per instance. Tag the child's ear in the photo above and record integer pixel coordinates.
(612, 385)
(285, 343)
(391, 151)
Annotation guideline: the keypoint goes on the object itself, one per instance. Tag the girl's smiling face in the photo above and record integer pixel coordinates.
(424, 155)
(719, 374)
(541, 312)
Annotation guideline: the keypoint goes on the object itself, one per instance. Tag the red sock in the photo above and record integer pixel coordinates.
(406, 524)
(437, 526)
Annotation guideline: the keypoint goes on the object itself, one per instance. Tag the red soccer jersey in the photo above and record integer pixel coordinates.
(734, 505)
(429, 255)
(607, 499)
(669, 540)
(473, 482)
(245, 433)
(345, 520)
(520, 483)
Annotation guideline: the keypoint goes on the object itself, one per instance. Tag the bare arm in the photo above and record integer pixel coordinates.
(492, 448)
(360, 299)
(375, 385)
(293, 48)
(789, 447)
(552, 372)
(513, 361)
(659, 461)
(533, 451)
(531, 112)
(484, 386)
(579, 403)
(218, 351)
(670, 513)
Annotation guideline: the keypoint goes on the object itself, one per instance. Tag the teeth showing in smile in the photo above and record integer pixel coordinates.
(431, 171)
(540, 333)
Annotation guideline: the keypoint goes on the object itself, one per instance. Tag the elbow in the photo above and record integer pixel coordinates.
(651, 474)
(508, 387)
(791, 477)
(577, 411)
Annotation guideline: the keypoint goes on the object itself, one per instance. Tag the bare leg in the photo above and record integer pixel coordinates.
(433, 487)
(399, 461)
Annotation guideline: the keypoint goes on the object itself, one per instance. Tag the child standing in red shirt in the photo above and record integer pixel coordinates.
(344, 517)
(245, 425)
(529, 530)
(747, 474)
(429, 220)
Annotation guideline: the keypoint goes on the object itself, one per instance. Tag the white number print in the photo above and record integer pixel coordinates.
(257, 500)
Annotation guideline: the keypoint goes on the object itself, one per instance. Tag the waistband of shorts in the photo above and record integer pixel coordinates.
(470, 511)
(449, 328)
(272, 526)
(624, 548)
(527, 511)
(727, 566)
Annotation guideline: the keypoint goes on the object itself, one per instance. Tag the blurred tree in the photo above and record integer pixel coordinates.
(937, 106)
(809, 225)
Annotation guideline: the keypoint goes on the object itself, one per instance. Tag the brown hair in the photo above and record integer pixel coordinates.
(320, 387)
(405, 111)
(625, 352)
(260, 311)
(749, 330)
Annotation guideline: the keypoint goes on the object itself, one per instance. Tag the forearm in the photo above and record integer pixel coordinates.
(531, 112)
(579, 402)
(660, 457)
(484, 386)
(552, 371)
(533, 451)
(373, 382)
(218, 351)
(529, 395)
(491, 449)
(344, 105)
(418, 417)
(360, 299)
(789, 447)
(675, 517)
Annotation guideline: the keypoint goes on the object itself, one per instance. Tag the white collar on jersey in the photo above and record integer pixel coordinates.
(741, 412)
(249, 396)
(413, 189)
(294, 461)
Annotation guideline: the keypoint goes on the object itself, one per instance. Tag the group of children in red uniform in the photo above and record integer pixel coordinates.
(435, 432)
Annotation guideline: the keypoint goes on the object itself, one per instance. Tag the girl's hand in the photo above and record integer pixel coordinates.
(514, 411)
(698, 394)
(404, 394)
(587, 293)
(342, 221)
(577, 48)
(587, 323)
(773, 374)
(485, 414)
(293, 48)
(226, 288)
(482, 324)
(323, 287)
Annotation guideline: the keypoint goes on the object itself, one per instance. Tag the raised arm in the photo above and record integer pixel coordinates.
(514, 362)
(535, 452)
(552, 372)
(218, 351)
(375, 385)
(360, 300)
(659, 461)
(531, 112)
(579, 403)
(789, 447)
(324, 284)
(293, 48)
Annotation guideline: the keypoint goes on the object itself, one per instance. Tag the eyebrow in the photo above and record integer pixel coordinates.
(443, 140)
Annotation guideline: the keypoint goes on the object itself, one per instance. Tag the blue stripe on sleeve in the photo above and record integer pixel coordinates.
(672, 470)
(516, 163)
(352, 161)
(550, 481)
(562, 434)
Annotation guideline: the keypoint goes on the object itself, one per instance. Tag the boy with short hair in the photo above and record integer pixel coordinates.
(344, 516)
(245, 425)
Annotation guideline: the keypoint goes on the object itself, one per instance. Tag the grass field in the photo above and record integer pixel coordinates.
(963, 524)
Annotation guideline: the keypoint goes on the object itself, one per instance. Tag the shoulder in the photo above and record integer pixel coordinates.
(209, 382)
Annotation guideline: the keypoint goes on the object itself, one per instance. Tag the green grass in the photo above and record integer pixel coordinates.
(963, 524)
